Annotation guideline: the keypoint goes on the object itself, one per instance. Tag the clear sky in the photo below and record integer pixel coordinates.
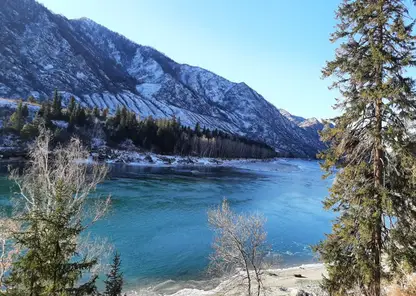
(277, 47)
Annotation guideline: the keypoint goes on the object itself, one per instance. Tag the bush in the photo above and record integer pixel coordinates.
(29, 131)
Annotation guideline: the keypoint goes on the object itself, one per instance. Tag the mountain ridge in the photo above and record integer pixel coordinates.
(43, 51)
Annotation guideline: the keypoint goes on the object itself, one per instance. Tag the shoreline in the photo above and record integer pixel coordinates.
(135, 158)
(277, 281)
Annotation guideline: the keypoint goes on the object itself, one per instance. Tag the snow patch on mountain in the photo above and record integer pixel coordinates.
(144, 69)
(80, 75)
(148, 89)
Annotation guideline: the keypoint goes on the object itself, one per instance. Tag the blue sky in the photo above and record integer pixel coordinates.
(277, 47)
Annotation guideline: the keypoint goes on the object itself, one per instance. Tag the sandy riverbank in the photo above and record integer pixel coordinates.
(278, 282)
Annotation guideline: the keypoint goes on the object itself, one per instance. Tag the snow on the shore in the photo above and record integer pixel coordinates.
(279, 282)
(151, 159)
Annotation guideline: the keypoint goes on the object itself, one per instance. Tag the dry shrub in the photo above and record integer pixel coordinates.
(406, 288)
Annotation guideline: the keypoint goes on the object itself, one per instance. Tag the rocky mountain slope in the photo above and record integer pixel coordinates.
(41, 51)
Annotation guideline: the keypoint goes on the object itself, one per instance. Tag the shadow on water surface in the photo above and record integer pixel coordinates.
(191, 172)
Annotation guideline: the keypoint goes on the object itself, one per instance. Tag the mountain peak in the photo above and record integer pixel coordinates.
(86, 21)
(311, 122)
(293, 118)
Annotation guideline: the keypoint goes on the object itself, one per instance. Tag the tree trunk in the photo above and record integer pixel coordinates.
(248, 275)
(378, 173)
(378, 170)
(258, 281)
(249, 282)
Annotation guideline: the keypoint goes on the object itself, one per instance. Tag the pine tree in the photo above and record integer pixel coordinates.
(197, 129)
(31, 99)
(25, 111)
(80, 115)
(45, 113)
(72, 114)
(114, 281)
(96, 112)
(178, 122)
(374, 193)
(45, 268)
(117, 116)
(56, 105)
(29, 131)
(71, 106)
(123, 118)
(17, 120)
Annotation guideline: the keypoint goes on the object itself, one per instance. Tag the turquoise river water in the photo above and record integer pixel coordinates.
(158, 218)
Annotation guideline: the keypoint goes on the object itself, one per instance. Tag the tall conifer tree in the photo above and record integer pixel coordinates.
(71, 106)
(17, 119)
(374, 193)
(114, 281)
(56, 104)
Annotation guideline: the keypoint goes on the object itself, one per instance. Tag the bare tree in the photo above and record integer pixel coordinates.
(7, 228)
(97, 248)
(53, 202)
(240, 243)
(51, 170)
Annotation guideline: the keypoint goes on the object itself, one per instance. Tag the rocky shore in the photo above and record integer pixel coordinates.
(152, 159)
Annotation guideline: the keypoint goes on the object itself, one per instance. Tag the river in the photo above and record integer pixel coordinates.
(158, 217)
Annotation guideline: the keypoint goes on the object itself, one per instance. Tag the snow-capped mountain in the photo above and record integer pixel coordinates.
(293, 118)
(311, 125)
(41, 51)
